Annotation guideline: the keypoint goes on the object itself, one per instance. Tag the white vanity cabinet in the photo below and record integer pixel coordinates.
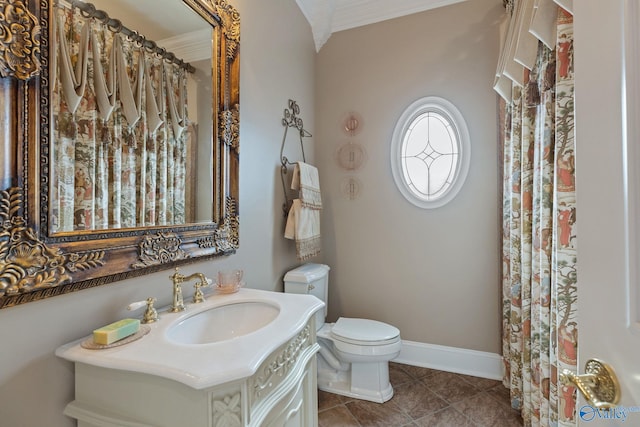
(281, 393)
(247, 381)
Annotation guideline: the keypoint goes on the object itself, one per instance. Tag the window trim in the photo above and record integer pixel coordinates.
(454, 116)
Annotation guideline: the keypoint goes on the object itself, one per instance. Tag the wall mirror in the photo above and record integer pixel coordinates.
(119, 152)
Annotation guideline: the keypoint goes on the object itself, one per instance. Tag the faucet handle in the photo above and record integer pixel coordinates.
(150, 314)
(136, 305)
(198, 296)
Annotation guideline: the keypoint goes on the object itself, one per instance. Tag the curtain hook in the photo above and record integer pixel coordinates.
(137, 38)
(150, 46)
(87, 11)
(115, 25)
(162, 52)
(101, 16)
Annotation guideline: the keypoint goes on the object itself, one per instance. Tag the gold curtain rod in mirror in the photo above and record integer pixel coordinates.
(88, 10)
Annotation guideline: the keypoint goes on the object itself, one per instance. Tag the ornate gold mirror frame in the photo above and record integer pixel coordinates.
(35, 264)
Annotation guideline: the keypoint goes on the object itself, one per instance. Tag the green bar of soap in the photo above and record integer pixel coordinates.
(116, 331)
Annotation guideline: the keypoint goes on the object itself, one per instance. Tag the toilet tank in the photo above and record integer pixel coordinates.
(310, 279)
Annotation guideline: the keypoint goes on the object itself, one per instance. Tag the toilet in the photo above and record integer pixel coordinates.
(354, 353)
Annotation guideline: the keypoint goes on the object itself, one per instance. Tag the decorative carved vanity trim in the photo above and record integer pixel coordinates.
(281, 374)
(226, 411)
(279, 364)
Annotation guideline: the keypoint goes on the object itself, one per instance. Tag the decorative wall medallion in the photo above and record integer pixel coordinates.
(19, 41)
(350, 187)
(159, 249)
(282, 363)
(225, 238)
(230, 127)
(352, 123)
(227, 412)
(26, 263)
(350, 156)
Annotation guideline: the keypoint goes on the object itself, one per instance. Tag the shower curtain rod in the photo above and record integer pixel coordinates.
(88, 10)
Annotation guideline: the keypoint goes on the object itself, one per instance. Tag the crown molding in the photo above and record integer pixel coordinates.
(190, 47)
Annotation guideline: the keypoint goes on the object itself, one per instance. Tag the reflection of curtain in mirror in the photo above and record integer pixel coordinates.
(149, 163)
(68, 93)
(177, 117)
(119, 141)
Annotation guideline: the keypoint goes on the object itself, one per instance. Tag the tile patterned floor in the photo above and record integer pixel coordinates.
(424, 398)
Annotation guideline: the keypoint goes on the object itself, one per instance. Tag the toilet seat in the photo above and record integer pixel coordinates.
(364, 332)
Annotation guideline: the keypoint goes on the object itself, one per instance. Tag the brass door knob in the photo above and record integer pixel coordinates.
(599, 384)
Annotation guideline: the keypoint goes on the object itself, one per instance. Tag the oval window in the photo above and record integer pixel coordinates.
(430, 152)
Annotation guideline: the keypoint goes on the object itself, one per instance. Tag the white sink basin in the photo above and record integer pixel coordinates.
(223, 323)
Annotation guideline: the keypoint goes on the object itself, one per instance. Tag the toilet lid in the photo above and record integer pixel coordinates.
(363, 331)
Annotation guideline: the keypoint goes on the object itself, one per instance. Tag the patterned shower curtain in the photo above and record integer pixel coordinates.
(540, 330)
(120, 130)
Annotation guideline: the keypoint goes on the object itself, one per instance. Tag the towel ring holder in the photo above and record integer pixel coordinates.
(290, 119)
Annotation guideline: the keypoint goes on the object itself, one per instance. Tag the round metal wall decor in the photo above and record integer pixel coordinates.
(352, 123)
(350, 156)
(351, 188)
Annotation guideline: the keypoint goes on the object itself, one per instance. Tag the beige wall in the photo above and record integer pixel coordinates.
(432, 273)
(277, 63)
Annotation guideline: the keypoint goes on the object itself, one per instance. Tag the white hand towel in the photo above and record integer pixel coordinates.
(303, 225)
(306, 180)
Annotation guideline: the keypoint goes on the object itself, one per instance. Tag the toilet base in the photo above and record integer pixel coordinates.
(344, 389)
(366, 381)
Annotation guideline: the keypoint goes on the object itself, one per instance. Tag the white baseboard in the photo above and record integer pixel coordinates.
(451, 359)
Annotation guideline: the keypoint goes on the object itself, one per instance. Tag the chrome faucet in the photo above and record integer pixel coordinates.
(177, 279)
